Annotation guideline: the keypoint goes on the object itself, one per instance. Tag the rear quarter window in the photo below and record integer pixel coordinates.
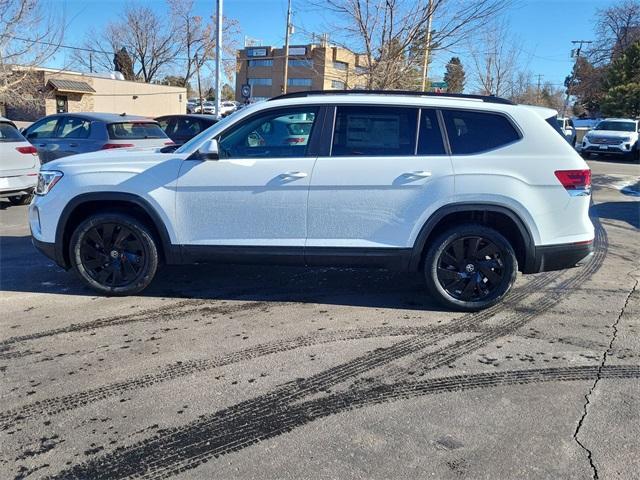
(475, 132)
(8, 133)
(134, 131)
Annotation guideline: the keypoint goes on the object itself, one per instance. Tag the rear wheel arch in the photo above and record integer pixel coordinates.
(80, 207)
(502, 219)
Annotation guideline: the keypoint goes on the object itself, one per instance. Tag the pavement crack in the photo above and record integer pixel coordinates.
(587, 397)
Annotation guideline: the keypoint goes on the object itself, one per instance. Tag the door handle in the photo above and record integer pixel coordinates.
(293, 175)
(418, 173)
(73, 144)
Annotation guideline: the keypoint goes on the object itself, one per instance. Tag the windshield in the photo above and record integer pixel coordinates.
(188, 146)
(616, 126)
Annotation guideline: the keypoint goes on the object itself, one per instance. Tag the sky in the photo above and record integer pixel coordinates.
(544, 28)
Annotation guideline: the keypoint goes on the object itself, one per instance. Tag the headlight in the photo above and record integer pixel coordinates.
(46, 181)
(626, 139)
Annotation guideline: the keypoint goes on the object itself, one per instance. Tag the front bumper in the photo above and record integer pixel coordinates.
(560, 257)
(617, 149)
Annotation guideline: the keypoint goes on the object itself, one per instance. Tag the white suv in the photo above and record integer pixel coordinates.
(466, 189)
(613, 136)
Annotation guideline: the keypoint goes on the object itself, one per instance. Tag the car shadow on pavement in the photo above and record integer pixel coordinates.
(628, 212)
(24, 269)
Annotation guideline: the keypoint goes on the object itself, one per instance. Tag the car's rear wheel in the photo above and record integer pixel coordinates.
(114, 253)
(21, 199)
(470, 267)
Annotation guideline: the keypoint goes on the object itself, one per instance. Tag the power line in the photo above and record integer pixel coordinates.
(85, 49)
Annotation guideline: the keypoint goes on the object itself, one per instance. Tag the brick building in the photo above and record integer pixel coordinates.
(311, 67)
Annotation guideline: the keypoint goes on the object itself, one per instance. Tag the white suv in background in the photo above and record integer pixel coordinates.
(19, 165)
(466, 189)
(613, 136)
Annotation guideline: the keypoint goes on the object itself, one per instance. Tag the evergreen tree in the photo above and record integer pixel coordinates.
(622, 97)
(455, 76)
(122, 63)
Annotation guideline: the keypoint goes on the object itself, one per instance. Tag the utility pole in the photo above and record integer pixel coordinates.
(91, 62)
(218, 57)
(199, 89)
(580, 43)
(538, 90)
(427, 47)
(286, 49)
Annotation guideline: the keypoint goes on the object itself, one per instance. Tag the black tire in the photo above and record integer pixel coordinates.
(21, 199)
(470, 267)
(114, 253)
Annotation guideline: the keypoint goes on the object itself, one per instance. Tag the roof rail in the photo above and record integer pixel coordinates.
(463, 96)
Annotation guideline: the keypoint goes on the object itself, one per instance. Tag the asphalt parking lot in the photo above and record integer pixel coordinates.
(277, 373)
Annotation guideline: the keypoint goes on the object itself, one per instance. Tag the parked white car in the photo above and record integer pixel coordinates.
(466, 189)
(19, 165)
(613, 136)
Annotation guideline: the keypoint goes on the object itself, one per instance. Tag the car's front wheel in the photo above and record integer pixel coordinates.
(114, 253)
(470, 267)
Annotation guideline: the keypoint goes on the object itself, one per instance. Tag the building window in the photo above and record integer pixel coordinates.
(361, 70)
(340, 65)
(300, 62)
(259, 81)
(299, 82)
(261, 63)
(337, 84)
(257, 52)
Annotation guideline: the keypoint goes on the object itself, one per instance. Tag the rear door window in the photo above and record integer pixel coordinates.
(475, 132)
(9, 133)
(134, 131)
(374, 131)
(72, 127)
(429, 136)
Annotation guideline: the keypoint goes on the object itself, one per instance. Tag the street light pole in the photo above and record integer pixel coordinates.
(218, 57)
(427, 47)
(286, 49)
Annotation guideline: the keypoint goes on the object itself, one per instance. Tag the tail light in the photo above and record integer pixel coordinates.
(30, 150)
(576, 182)
(169, 143)
(295, 140)
(109, 146)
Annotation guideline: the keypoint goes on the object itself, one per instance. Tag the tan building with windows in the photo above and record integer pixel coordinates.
(47, 91)
(311, 67)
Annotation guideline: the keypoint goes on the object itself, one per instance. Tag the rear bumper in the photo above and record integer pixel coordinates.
(17, 185)
(559, 257)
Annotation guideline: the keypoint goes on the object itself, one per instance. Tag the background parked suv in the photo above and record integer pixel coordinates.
(67, 134)
(468, 190)
(613, 136)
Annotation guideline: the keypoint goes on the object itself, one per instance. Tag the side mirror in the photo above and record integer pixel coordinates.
(209, 150)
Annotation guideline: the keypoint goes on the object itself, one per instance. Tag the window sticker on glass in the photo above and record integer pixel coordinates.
(373, 131)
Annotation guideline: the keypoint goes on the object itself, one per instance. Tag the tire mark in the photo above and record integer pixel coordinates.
(56, 405)
(176, 450)
(166, 312)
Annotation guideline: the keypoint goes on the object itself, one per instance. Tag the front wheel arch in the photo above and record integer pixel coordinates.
(84, 205)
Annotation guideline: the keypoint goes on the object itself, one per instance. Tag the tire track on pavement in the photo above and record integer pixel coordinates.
(57, 405)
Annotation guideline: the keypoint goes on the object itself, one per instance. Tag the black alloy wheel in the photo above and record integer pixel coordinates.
(470, 267)
(114, 253)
